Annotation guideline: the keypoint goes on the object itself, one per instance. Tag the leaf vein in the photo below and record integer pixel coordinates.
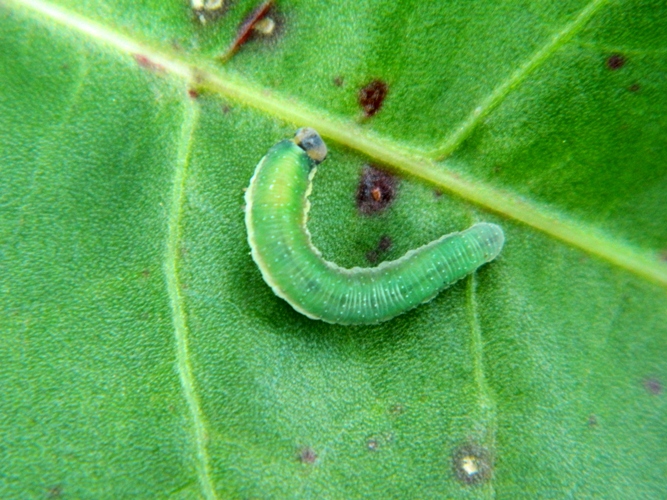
(498, 95)
(181, 331)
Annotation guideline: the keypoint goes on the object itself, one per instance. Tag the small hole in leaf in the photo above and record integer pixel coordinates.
(371, 97)
(472, 464)
(615, 61)
(376, 190)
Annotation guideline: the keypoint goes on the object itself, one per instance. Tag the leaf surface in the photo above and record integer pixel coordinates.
(144, 357)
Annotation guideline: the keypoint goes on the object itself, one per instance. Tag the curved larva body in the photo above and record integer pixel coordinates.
(276, 208)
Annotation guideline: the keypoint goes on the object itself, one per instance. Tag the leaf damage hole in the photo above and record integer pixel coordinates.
(472, 464)
(372, 96)
(307, 455)
(376, 190)
(616, 61)
(653, 386)
(207, 10)
(264, 22)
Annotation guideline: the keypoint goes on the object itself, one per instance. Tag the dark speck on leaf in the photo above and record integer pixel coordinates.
(307, 455)
(634, 87)
(372, 96)
(193, 93)
(615, 61)
(653, 386)
(592, 420)
(339, 81)
(383, 245)
(472, 464)
(55, 491)
(376, 190)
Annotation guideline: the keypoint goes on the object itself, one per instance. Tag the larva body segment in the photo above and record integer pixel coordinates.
(276, 210)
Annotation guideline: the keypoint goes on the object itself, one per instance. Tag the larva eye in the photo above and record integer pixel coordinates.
(310, 141)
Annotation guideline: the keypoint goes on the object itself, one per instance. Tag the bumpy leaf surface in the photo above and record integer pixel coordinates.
(142, 355)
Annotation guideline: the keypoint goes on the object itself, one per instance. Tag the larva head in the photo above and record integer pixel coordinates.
(311, 142)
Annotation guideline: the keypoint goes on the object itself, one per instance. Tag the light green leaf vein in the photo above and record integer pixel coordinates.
(208, 75)
(178, 312)
(519, 76)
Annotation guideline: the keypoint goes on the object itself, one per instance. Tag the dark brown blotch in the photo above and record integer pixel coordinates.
(376, 190)
(371, 97)
(615, 61)
(472, 464)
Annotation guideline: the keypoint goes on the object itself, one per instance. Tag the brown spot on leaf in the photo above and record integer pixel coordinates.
(615, 61)
(472, 464)
(307, 455)
(339, 81)
(262, 21)
(193, 94)
(385, 243)
(635, 87)
(148, 63)
(371, 97)
(376, 190)
(653, 386)
(55, 491)
(592, 420)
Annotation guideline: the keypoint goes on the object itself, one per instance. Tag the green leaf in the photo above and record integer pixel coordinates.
(143, 356)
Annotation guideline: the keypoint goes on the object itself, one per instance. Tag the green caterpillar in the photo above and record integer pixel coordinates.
(276, 209)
